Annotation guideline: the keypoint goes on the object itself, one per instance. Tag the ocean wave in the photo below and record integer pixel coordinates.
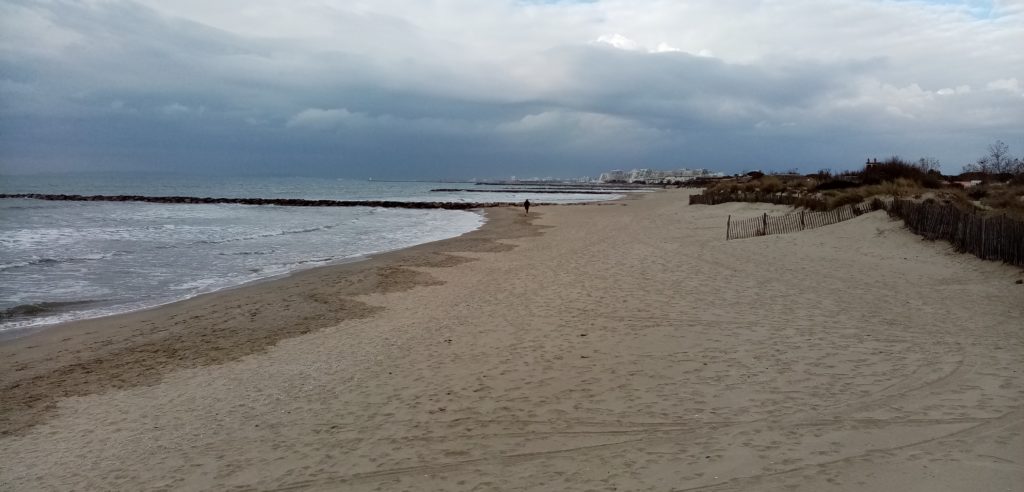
(39, 309)
(314, 260)
(203, 284)
(266, 235)
(29, 207)
(17, 264)
(53, 261)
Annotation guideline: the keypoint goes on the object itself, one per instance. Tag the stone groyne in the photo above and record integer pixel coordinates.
(284, 202)
(527, 190)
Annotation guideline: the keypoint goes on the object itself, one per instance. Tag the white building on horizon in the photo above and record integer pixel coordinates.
(651, 176)
(613, 176)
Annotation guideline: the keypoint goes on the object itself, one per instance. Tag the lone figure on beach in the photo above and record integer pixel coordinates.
(526, 205)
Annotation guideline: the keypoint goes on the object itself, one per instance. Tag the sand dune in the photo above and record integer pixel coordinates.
(621, 346)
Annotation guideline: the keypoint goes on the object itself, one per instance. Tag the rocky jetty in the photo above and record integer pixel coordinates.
(284, 202)
(527, 190)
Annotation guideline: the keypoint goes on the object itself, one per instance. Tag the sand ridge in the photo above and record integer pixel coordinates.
(627, 347)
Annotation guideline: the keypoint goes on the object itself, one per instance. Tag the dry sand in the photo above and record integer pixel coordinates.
(604, 347)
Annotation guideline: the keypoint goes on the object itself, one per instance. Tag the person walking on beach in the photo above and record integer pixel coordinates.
(526, 205)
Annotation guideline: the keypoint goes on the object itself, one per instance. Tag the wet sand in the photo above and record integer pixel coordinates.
(621, 346)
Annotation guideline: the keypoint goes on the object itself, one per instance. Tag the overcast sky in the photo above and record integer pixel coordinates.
(475, 88)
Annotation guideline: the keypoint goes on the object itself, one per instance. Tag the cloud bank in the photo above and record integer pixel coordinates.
(463, 88)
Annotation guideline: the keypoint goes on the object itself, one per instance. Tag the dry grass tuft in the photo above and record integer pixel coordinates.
(1007, 199)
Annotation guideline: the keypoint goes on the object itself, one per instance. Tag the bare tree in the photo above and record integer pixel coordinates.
(999, 157)
(927, 164)
(983, 165)
(998, 161)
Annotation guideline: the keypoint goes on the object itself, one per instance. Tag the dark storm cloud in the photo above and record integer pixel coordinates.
(453, 89)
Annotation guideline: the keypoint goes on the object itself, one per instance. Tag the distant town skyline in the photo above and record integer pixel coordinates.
(457, 88)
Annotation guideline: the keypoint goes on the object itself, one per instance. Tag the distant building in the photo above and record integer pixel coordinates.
(641, 175)
(652, 176)
(614, 176)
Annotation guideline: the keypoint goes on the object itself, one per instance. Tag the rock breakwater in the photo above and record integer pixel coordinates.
(284, 202)
(526, 190)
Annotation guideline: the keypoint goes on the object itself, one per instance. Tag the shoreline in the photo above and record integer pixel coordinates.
(57, 312)
(625, 347)
(42, 364)
(9, 334)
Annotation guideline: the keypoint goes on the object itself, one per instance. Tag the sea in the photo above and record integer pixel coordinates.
(67, 260)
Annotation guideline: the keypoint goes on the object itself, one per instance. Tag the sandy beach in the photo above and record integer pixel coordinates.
(617, 346)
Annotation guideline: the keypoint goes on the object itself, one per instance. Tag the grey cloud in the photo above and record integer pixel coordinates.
(118, 84)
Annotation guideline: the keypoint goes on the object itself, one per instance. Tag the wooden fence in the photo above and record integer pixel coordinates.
(988, 237)
(792, 222)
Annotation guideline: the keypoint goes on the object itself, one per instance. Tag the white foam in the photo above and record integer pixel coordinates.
(146, 264)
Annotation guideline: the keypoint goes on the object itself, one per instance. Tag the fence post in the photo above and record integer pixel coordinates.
(984, 254)
(801, 220)
(728, 222)
(764, 224)
(1002, 238)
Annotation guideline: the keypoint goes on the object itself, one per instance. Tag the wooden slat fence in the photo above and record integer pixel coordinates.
(990, 237)
(987, 237)
(792, 222)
